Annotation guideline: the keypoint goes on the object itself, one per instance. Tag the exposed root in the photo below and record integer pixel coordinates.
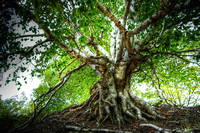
(118, 105)
(150, 112)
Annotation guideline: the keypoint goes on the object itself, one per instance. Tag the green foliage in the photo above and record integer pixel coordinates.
(13, 113)
(75, 91)
(179, 81)
(179, 78)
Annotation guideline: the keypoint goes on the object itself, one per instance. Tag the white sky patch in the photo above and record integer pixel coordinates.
(10, 90)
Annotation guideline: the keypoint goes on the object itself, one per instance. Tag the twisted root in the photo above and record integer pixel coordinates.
(117, 106)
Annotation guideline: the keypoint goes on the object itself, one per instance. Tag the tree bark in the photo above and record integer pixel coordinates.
(111, 98)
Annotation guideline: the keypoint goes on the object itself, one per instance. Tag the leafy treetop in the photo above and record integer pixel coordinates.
(166, 32)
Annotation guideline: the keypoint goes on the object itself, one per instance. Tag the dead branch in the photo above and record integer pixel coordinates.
(161, 96)
(79, 129)
(60, 84)
(37, 113)
(148, 37)
(161, 33)
(189, 50)
(156, 127)
(153, 82)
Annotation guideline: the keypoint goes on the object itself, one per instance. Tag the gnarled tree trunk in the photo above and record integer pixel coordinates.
(111, 98)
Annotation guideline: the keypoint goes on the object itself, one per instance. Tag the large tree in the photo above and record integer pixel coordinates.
(119, 40)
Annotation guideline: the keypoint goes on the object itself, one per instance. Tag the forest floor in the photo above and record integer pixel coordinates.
(177, 120)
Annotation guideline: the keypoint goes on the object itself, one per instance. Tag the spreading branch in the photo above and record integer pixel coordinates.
(63, 78)
(159, 14)
(126, 11)
(80, 56)
(60, 73)
(22, 36)
(41, 98)
(34, 18)
(106, 12)
(23, 52)
(72, 51)
(177, 54)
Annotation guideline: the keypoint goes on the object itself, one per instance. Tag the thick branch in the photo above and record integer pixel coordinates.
(22, 36)
(26, 11)
(106, 12)
(120, 50)
(80, 56)
(128, 44)
(127, 11)
(159, 14)
(162, 13)
(103, 51)
(72, 51)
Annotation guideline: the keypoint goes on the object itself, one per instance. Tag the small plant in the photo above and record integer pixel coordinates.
(187, 124)
(198, 121)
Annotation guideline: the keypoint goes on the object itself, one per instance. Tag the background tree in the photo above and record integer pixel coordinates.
(14, 112)
(75, 91)
(121, 41)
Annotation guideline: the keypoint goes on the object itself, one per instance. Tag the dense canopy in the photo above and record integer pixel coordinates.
(125, 43)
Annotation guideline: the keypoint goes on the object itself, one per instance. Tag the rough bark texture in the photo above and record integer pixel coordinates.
(111, 99)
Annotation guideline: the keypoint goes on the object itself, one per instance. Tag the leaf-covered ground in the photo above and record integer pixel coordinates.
(177, 120)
